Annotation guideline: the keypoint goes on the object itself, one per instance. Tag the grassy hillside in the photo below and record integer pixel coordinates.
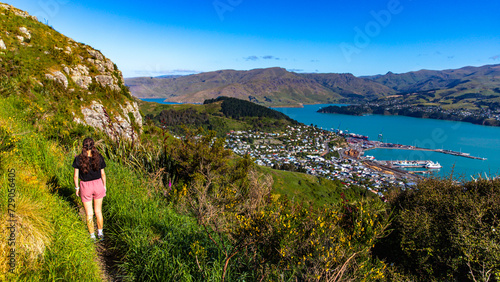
(50, 241)
(187, 209)
(468, 87)
(59, 79)
(273, 86)
(220, 115)
(459, 88)
(351, 88)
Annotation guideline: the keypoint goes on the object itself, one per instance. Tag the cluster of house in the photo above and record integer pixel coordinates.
(311, 150)
(484, 113)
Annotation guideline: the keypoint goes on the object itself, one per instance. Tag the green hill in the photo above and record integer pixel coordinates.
(467, 87)
(272, 86)
(62, 80)
(277, 87)
(186, 208)
(53, 91)
(221, 115)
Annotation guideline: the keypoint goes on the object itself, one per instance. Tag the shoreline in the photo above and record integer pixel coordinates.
(364, 114)
(447, 152)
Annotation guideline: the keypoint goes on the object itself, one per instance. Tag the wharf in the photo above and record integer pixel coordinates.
(420, 172)
(397, 172)
(460, 154)
(380, 145)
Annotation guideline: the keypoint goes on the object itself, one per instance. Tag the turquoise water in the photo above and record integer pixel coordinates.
(158, 100)
(479, 141)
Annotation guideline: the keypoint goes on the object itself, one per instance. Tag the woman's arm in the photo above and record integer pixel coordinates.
(103, 176)
(75, 179)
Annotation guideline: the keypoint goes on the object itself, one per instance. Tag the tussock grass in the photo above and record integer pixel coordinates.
(153, 240)
(51, 240)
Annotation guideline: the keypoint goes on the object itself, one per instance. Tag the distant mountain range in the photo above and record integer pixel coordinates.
(279, 87)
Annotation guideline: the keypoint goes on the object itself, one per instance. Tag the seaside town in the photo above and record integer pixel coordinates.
(317, 152)
(484, 113)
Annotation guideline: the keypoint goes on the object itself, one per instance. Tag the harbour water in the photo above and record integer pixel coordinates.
(158, 100)
(480, 141)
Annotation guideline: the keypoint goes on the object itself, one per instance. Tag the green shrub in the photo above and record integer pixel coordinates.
(445, 230)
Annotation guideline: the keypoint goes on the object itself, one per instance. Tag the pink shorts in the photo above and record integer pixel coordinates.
(93, 189)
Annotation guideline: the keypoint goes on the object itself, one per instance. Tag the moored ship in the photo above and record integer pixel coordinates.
(433, 165)
(406, 164)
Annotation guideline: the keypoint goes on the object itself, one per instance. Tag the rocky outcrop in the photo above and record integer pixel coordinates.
(133, 109)
(95, 54)
(85, 74)
(59, 77)
(107, 81)
(17, 12)
(25, 31)
(96, 116)
(80, 75)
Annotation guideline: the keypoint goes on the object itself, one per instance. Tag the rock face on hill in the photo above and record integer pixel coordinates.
(79, 82)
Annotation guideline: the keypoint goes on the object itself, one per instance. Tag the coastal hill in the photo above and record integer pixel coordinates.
(221, 115)
(187, 208)
(279, 87)
(482, 78)
(62, 80)
(271, 86)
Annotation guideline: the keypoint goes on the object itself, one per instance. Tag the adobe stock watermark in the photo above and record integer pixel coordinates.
(11, 220)
(363, 36)
(223, 6)
(49, 9)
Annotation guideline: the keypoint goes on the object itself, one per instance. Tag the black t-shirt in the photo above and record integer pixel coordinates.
(92, 174)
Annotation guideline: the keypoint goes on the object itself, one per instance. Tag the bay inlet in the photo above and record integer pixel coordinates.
(477, 140)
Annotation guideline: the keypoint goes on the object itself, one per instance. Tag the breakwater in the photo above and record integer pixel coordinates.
(380, 145)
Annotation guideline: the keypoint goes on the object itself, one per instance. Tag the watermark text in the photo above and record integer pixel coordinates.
(11, 220)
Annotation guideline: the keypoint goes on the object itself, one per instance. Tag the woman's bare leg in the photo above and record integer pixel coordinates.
(90, 216)
(98, 213)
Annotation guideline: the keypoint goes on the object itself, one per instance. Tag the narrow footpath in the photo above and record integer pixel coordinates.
(107, 259)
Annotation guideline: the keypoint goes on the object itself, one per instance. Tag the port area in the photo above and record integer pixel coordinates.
(407, 164)
(383, 167)
(365, 145)
(358, 144)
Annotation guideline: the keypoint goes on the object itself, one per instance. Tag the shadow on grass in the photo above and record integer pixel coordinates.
(65, 193)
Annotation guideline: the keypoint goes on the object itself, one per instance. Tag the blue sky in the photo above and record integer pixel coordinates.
(363, 37)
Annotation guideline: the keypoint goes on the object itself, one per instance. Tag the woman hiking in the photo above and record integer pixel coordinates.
(89, 168)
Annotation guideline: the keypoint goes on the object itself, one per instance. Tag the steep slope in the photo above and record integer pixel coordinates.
(485, 77)
(350, 86)
(271, 86)
(274, 86)
(278, 87)
(60, 80)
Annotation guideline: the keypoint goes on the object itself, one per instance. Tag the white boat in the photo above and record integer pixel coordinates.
(433, 165)
(405, 164)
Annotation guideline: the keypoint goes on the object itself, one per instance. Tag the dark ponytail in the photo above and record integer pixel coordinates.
(87, 163)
